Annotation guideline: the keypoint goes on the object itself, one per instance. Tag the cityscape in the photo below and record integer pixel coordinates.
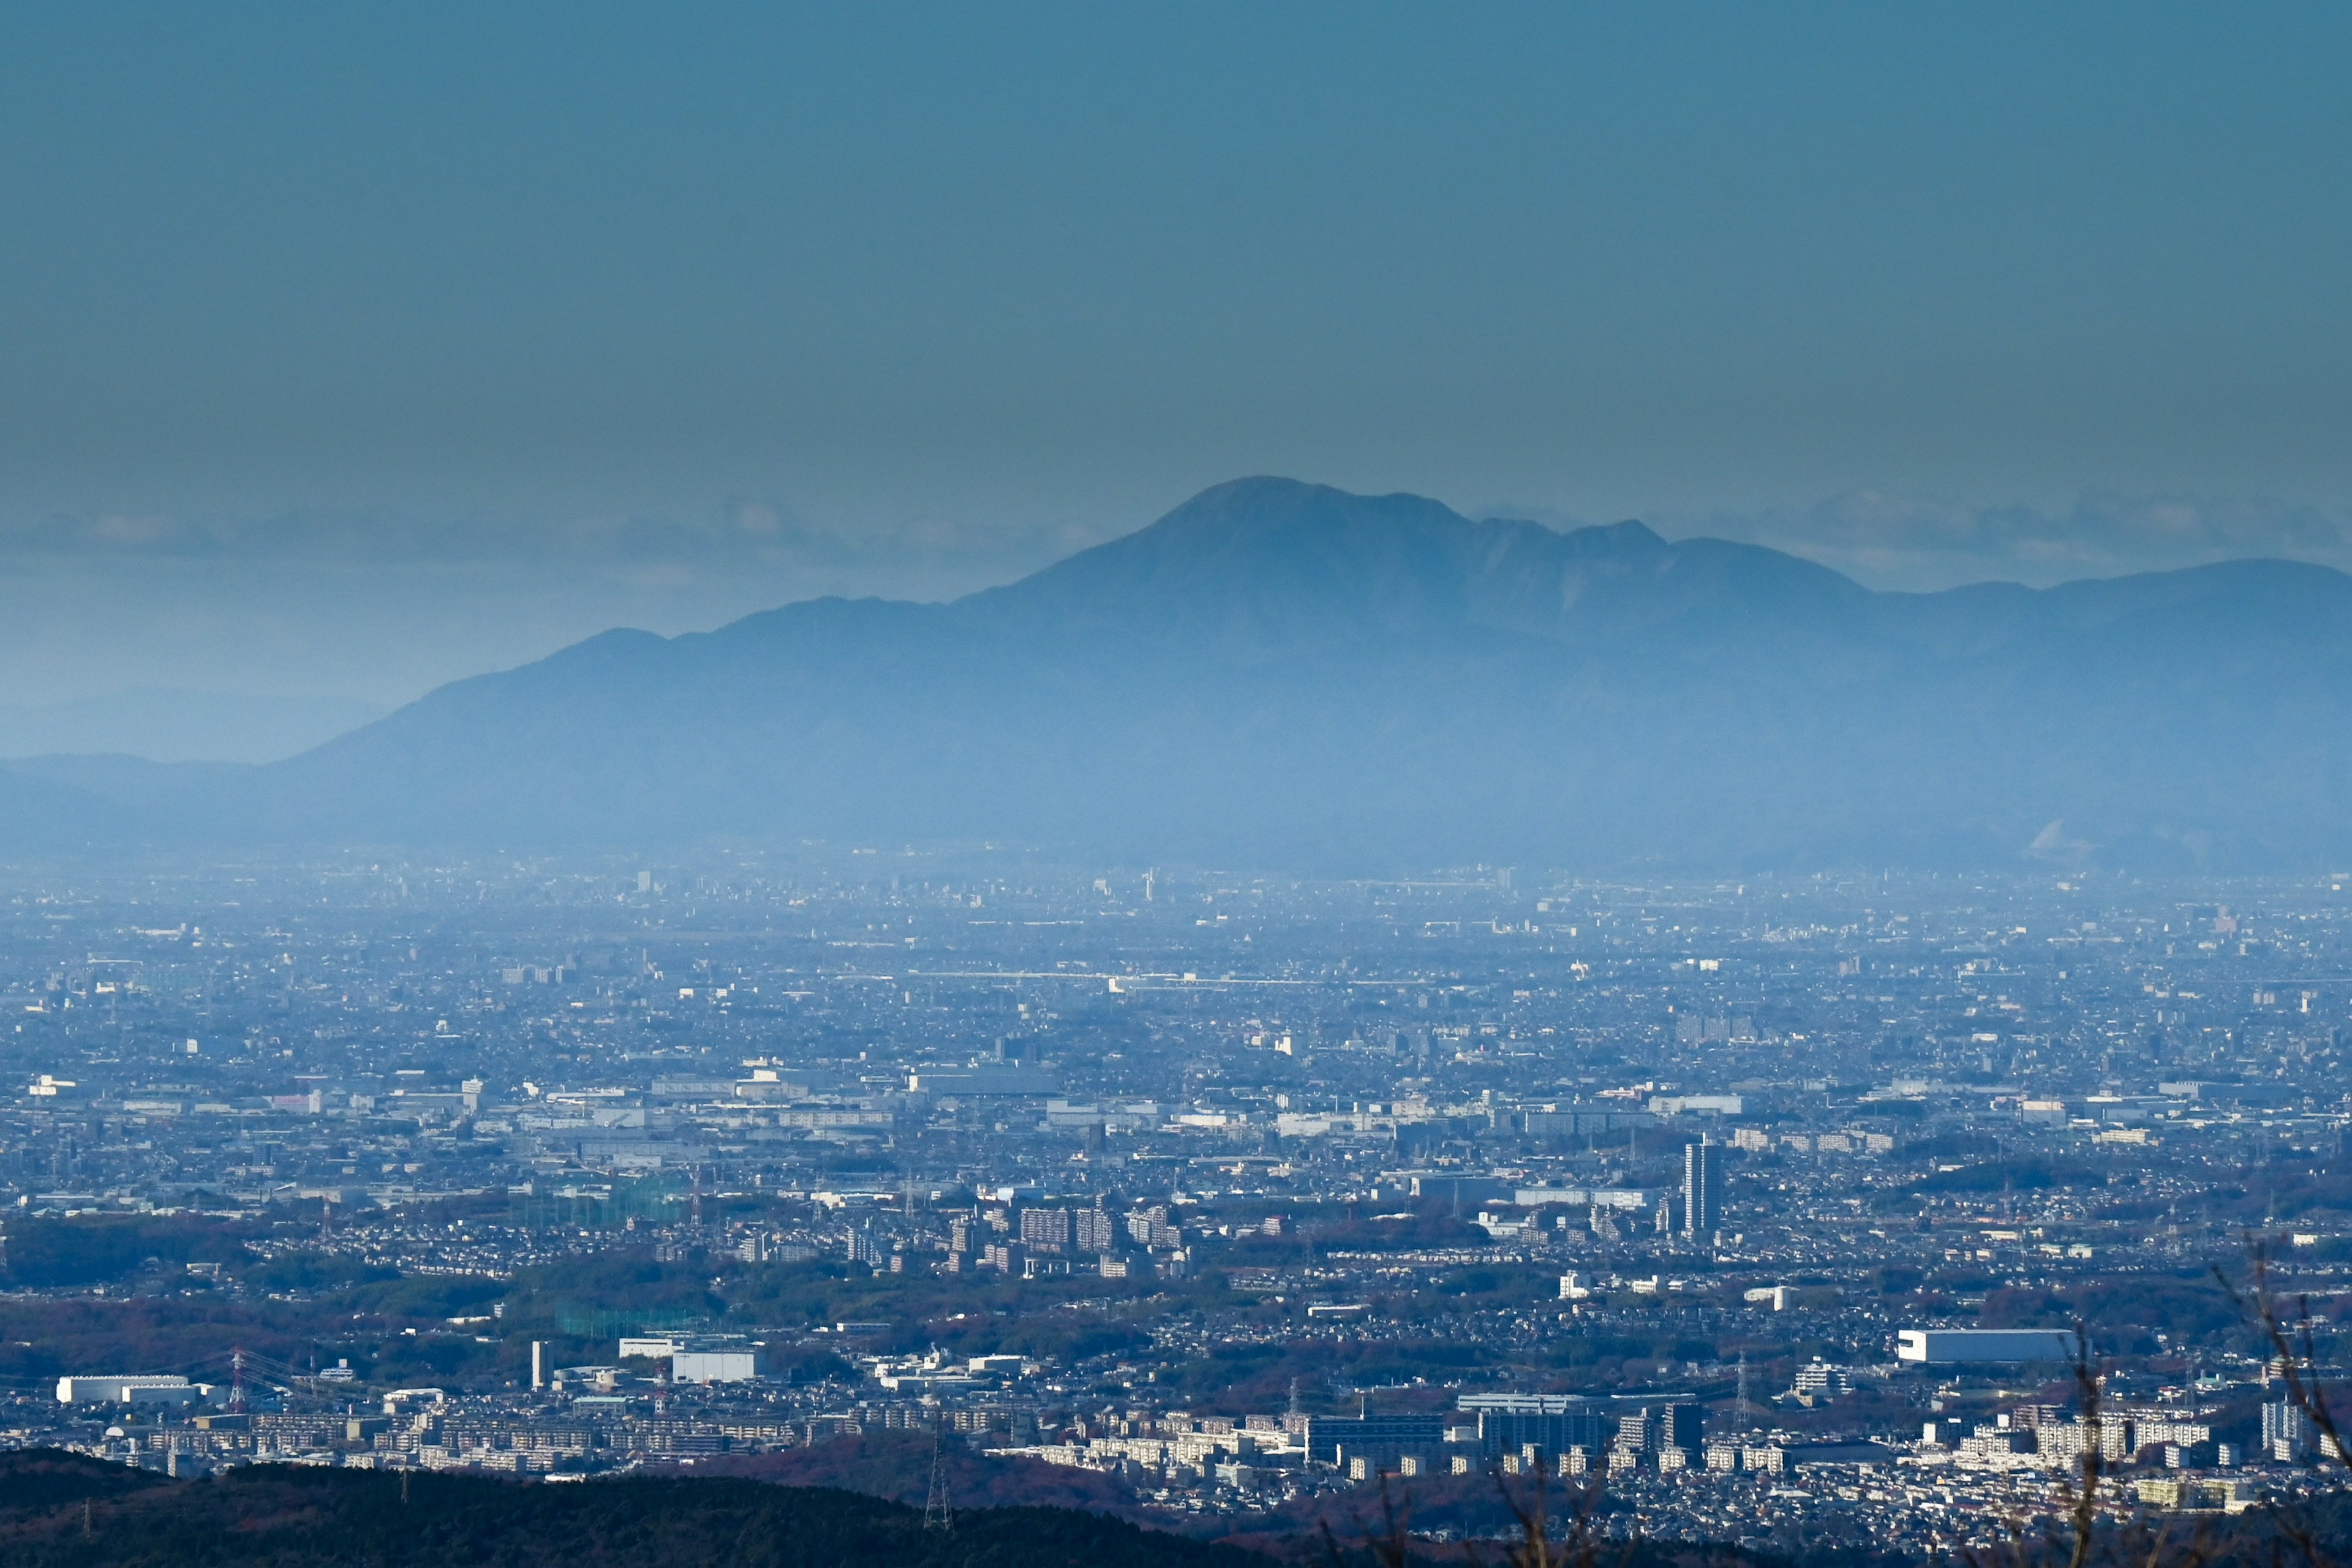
(1792, 1212)
(1202, 785)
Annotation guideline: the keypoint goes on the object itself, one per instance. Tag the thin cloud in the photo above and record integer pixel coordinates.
(1896, 542)
(745, 534)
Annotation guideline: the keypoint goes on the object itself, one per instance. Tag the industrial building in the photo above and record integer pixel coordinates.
(1938, 1345)
(131, 1391)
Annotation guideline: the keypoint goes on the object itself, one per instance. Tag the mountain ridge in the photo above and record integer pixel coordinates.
(1284, 674)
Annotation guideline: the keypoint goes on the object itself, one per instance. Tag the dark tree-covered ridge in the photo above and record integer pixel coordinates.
(64, 1509)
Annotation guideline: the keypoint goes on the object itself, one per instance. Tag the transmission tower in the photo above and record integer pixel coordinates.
(937, 1513)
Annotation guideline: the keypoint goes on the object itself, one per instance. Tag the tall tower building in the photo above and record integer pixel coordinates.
(1702, 1187)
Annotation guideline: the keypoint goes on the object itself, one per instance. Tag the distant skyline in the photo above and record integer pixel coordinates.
(350, 351)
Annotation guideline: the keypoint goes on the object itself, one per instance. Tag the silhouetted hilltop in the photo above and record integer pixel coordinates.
(61, 1509)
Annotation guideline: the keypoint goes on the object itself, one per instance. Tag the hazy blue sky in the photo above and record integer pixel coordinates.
(347, 348)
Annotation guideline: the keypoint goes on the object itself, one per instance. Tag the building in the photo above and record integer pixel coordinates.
(1819, 1377)
(1045, 1230)
(2228, 1495)
(130, 1391)
(2288, 1431)
(1380, 1439)
(1589, 1122)
(1551, 1424)
(1527, 1403)
(653, 1347)
(1155, 1227)
(1682, 1425)
(1695, 1104)
(1994, 1442)
(714, 1366)
(2065, 1443)
(1631, 1199)
(1096, 1232)
(1655, 1429)
(1702, 1188)
(1947, 1346)
(968, 1082)
(1458, 1190)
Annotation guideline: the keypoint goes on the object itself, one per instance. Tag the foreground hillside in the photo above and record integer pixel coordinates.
(61, 1509)
(897, 1466)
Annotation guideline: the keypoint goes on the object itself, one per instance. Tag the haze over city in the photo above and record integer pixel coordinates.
(1198, 785)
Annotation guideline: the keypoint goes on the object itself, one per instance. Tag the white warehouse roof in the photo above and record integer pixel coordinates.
(1985, 1344)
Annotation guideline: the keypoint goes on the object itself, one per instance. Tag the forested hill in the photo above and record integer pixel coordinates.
(60, 1509)
(64, 1509)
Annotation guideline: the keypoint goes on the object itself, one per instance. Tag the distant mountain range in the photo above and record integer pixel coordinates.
(1282, 675)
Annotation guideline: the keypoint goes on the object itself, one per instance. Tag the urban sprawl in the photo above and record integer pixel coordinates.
(1821, 1209)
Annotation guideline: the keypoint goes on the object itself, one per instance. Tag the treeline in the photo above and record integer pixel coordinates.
(60, 1510)
(47, 1252)
(898, 1464)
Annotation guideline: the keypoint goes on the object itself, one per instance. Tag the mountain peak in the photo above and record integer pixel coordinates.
(1279, 564)
(1293, 513)
(1630, 537)
(1262, 555)
(1283, 673)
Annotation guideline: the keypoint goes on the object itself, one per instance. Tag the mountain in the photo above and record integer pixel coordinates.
(1285, 675)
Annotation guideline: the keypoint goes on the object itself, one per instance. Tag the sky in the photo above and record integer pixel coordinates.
(347, 350)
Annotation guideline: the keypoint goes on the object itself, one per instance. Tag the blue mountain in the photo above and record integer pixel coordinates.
(1281, 674)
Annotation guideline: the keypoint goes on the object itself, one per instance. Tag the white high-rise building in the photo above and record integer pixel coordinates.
(1702, 1188)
